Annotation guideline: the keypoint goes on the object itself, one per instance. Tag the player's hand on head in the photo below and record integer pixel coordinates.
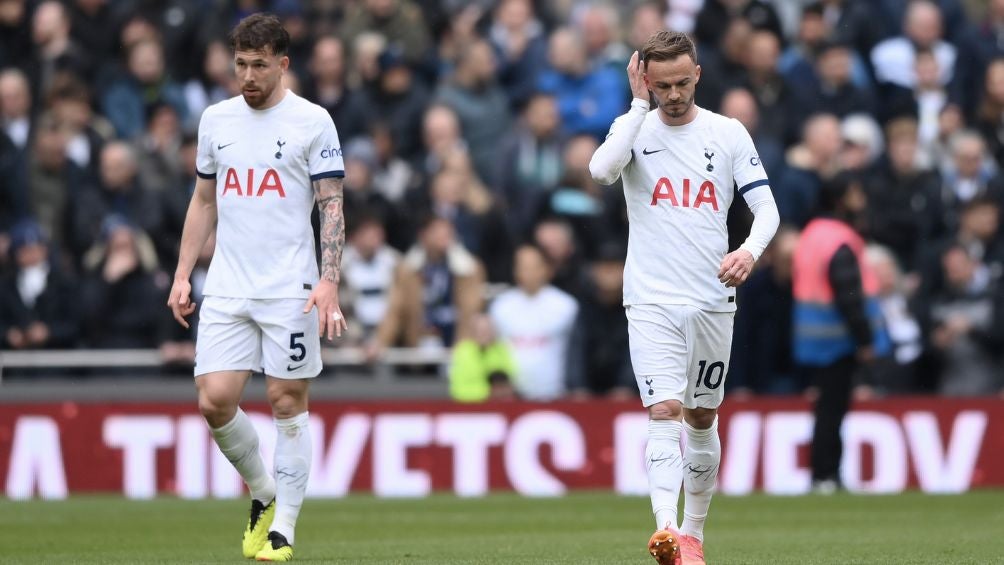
(636, 77)
(331, 322)
(180, 302)
(736, 268)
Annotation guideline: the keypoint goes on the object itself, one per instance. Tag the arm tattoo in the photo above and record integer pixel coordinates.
(328, 194)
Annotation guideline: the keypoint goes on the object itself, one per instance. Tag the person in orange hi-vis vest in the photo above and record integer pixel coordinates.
(838, 329)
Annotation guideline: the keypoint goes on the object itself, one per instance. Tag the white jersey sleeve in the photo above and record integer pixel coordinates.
(325, 153)
(205, 160)
(747, 170)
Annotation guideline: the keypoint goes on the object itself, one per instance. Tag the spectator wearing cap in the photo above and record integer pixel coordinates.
(399, 98)
(123, 290)
(863, 143)
(39, 303)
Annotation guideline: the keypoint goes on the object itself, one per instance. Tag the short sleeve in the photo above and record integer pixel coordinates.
(325, 159)
(747, 170)
(205, 160)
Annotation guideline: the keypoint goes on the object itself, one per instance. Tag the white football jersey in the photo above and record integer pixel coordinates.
(264, 163)
(679, 185)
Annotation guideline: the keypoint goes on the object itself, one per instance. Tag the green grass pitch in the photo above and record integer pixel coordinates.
(594, 528)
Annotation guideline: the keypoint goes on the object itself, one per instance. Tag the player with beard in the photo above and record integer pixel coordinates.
(681, 167)
(264, 159)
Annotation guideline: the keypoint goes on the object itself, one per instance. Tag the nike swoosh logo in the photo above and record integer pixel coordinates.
(658, 460)
(696, 394)
(218, 146)
(292, 368)
(647, 152)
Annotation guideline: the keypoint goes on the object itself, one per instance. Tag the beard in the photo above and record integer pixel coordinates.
(678, 109)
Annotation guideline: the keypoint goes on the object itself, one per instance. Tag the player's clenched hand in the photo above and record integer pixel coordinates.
(179, 301)
(329, 314)
(736, 267)
(636, 78)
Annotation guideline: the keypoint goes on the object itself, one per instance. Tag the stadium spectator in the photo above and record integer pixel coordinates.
(556, 239)
(399, 98)
(863, 143)
(529, 165)
(119, 191)
(835, 91)
(894, 59)
(129, 98)
(604, 353)
(94, 28)
(15, 33)
(70, 101)
(853, 22)
(122, 295)
(15, 109)
(782, 109)
(457, 195)
(990, 31)
(762, 360)
(440, 139)
(904, 200)
(837, 322)
(647, 18)
(327, 86)
(437, 287)
(798, 62)
(588, 99)
(990, 117)
(537, 321)
(398, 21)
(362, 199)
(393, 176)
(158, 152)
(520, 49)
(807, 165)
(723, 64)
(482, 366)
(214, 82)
(739, 103)
(55, 51)
(600, 27)
(899, 373)
(967, 326)
(368, 267)
(54, 185)
(713, 19)
(480, 104)
(39, 302)
(972, 173)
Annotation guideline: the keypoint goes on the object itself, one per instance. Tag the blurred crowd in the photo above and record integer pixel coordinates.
(473, 222)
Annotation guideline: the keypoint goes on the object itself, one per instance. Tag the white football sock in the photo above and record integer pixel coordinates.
(292, 469)
(665, 470)
(238, 441)
(702, 459)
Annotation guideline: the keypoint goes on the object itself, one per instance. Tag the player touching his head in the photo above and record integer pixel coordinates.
(264, 158)
(681, 166)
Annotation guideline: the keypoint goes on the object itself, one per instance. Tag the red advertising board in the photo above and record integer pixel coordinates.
(414, 448)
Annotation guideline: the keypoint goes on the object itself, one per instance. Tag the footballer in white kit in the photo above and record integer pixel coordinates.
(265, 265)
(265, 158)
(682, 167)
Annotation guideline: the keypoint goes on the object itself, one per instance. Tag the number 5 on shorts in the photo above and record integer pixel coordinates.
(296, 346)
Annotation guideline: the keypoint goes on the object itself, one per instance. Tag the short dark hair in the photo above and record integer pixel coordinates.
(260, 32)
(668, 45)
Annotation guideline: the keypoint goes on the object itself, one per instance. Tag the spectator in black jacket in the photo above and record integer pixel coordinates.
(38, 304)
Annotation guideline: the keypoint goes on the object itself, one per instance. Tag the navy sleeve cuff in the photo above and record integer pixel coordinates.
(752, 185)
(327, 175)
(203, 175)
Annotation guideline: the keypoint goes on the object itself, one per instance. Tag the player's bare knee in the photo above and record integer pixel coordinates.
(217, 409)
(665, 410)
(700, 418)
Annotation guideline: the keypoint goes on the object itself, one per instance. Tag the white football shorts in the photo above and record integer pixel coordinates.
(273, 336)
(680, 352)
